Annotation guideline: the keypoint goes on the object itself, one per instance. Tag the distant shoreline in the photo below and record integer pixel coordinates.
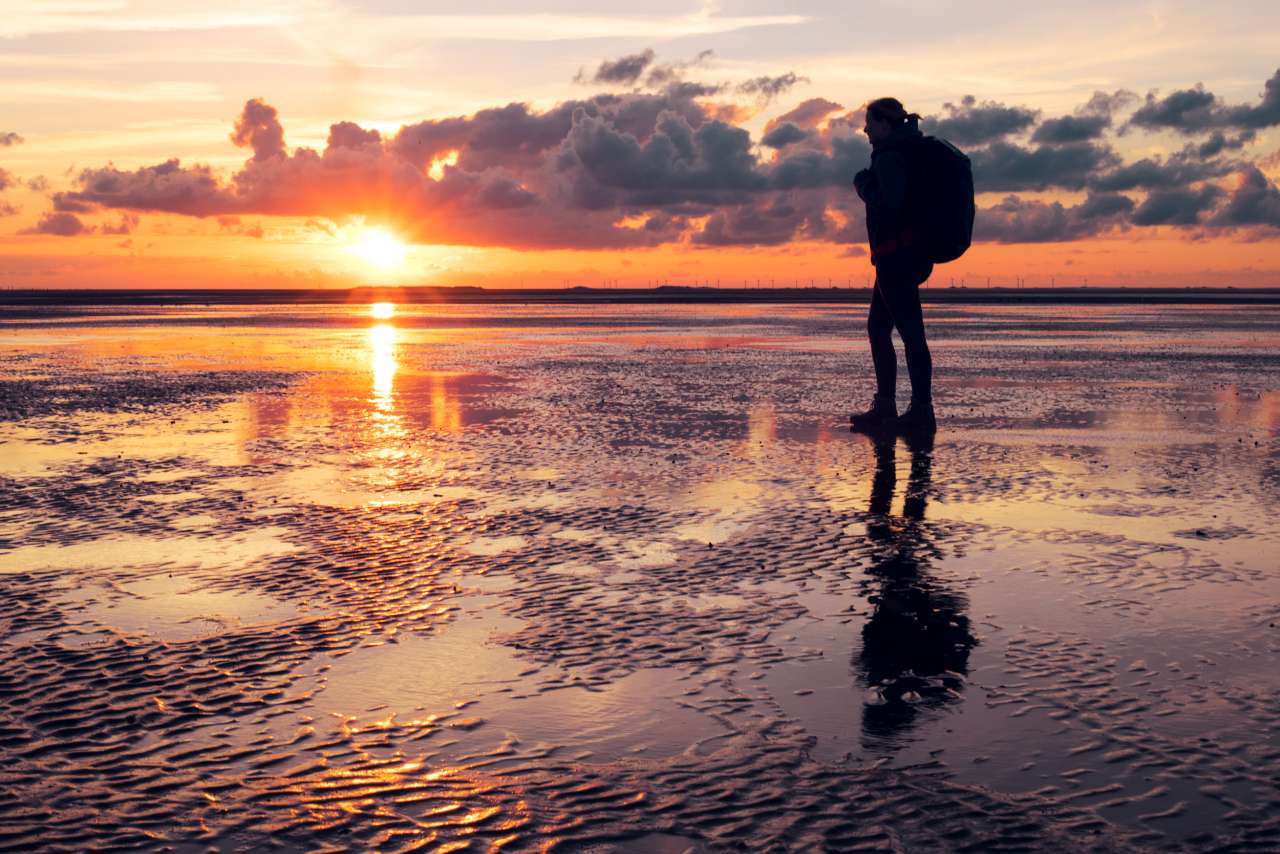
(668, 294)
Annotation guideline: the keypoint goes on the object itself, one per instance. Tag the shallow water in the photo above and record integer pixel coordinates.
(618, 578)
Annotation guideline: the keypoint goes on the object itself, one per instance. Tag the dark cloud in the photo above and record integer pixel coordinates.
(664, 74)
(65, 203)
(778, 221)
(351, 135)
(1177, 206)
(259, 128)
(1193, 111)
(7, 181)
(769, 88)
(128, 222)
(1107, 103)
(168, 187)
(1016, 220)
(1218, 142)
(625, 70)
(1004, 166)
(664, 165)
(8, 138)
(974, 123)
(1150, 173)
(1097, 206)
(1071, 129)
(712, 163)
(59, 224)
(38, 184)
(1089, 122)
(807, 115)
(690, 89)
(1254, 202)
(783, 135)
(816, 168)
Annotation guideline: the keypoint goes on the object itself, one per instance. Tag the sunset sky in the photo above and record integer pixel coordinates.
(344, 142)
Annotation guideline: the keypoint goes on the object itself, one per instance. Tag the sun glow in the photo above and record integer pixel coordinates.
(380, 249)
(382, 310)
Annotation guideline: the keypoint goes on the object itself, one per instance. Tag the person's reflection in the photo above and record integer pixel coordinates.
(915, 644)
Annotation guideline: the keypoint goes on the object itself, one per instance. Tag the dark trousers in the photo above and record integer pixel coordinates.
(896, 304)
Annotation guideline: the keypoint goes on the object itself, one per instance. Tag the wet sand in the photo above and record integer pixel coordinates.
(618, 578)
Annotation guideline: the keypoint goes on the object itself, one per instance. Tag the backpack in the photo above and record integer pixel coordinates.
(944, 223)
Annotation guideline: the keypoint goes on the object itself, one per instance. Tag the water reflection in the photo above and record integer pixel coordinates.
(386, 422)
(915, 644)
(382, 358)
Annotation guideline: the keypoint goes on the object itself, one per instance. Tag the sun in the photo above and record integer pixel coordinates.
(380, 248)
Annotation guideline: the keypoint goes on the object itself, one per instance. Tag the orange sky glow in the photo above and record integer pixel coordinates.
(337, 144)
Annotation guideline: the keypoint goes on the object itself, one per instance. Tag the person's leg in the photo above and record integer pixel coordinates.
(880, 334)
(883, 410)
(902, 296)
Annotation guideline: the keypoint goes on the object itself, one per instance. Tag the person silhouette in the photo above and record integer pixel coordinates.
(892, 201)
(916, 642)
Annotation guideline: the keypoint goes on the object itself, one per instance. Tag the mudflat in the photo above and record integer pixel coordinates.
(619, 578)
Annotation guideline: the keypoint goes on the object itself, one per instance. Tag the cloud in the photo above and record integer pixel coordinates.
(128, 222)
(9, 138)
(767, 88)
(1004, 166)
(259, 128)
(808, 114)
(711, 163)
(625, 70)
(644, 168)
(974, 123)
(1255, 201)
(1219, 142)
(1176, 206)
(6, 179)
(783, 135)
(351, 135)
(59, 224)
(1068, 129)
(1016, 220)
(1195, 110)
(1089, 122)
(1150, 173)
(664, 74)
(784, 218)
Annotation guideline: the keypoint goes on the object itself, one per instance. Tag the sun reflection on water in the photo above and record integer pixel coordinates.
(382, 355)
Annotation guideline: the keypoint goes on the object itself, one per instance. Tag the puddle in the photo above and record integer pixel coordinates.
(132, 550)
(170, 608)
(488, 546)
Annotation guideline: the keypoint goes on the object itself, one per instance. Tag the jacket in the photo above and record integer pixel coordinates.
(885, 187)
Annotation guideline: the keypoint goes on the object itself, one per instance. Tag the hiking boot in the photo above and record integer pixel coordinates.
(881, 416)
(918, 419)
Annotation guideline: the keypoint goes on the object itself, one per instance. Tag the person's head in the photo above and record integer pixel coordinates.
(883, 116)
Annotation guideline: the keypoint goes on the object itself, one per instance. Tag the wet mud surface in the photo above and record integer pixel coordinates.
(619, 579)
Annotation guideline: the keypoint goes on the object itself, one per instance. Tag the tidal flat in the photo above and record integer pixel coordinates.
(619, 578)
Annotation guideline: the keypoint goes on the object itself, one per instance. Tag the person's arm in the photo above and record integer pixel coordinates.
(888, 191)
(862, 183)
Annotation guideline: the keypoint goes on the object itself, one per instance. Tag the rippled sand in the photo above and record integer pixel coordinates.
(619, 579)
